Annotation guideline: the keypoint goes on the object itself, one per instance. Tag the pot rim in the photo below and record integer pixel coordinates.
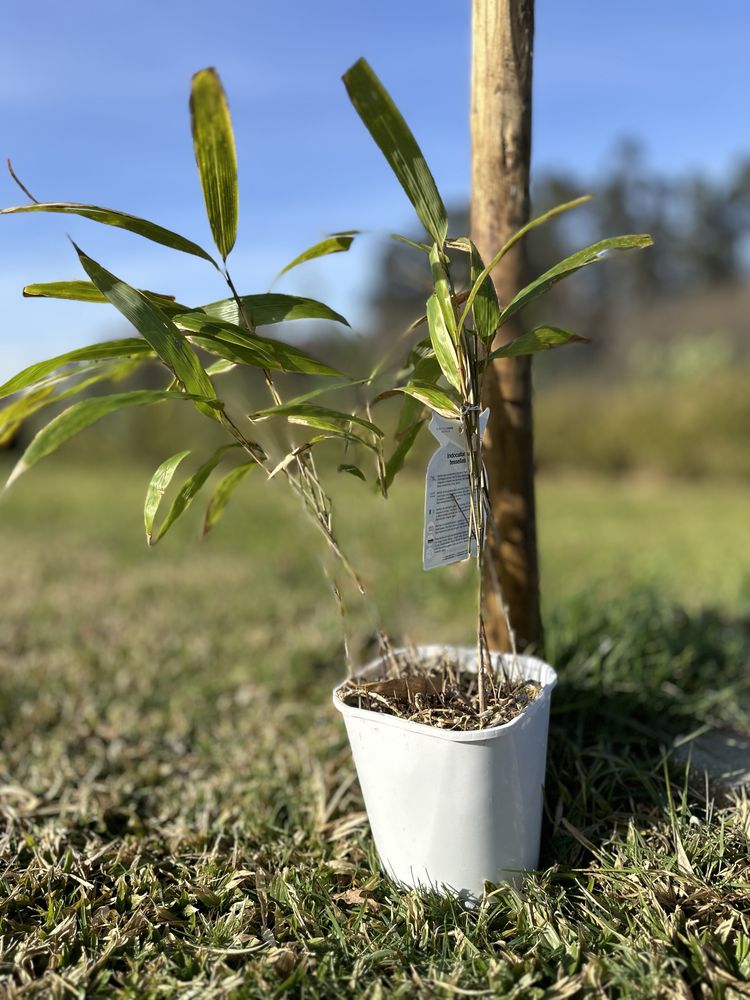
(533, 668)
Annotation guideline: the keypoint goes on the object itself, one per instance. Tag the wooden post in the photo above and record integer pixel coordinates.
(502, 33)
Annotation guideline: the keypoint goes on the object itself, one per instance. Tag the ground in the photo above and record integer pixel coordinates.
(179, 810)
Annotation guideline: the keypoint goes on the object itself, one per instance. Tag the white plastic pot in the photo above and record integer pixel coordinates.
(449, 810)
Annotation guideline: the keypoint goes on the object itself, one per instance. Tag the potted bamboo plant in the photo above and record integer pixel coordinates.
(449, 744)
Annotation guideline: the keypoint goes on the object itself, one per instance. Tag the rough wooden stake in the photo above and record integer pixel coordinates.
(503, 32)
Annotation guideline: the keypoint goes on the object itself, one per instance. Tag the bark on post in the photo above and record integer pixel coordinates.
(503, 32)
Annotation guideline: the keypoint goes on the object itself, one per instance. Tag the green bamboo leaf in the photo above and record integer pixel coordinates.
(426, 370)
(269, 308)
(353, 470)
(200, 327)
(13, 415)
(405, 444)
(456, 299)
(232, 353)
(542, 338)
(386, 125)
(83, 414)
(589, 255)
(239, 344)
(303, 413)
(486, 307)
(221, 367)
(121, 220)
(409, 413)
(426, 366)
(442, 341)
(213, 141)
(157, 487)
(157, 328)
(43, 394)
(336, 243)
(188, 490)
(538, 220)
(437, 399)
(414, 244)
(478, 281)
(86, 291)
(224, 489)
(443, 291)
(112, 349)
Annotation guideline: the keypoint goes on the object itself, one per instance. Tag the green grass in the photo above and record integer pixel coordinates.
(179, 810)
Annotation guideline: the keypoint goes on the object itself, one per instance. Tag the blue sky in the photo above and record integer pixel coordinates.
(93, 98)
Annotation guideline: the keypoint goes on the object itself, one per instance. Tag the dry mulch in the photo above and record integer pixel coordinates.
(439, 693)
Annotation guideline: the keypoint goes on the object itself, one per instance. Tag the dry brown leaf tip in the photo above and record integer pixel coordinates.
(358, 897)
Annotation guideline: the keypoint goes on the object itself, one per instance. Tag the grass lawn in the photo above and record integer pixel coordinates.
(179, 810)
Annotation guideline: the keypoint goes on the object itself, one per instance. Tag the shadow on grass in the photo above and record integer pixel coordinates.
(634, 676)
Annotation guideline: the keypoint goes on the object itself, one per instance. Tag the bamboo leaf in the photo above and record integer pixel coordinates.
(188, 490)
(13, 415)
(303, 413)
(269, 308)
(539, 220)
(405, 443)
(157, 328)
(426, 370)
(238, 344)
(442, 290)
(410, 412)
(456, 299)
(542, 338)
(213, 141)
(386, 125)
(113, 349)
(83, 414)
(442, 341)
(437, 399)
(486, 307)
(86, 291)
(224, 489)
(589, 255)
(157, 487)
(235, 354)
(336, 243)
(221, 367)
(478, 282)
(121, 220)
(43, 394)
(414, 244)
(353, 470)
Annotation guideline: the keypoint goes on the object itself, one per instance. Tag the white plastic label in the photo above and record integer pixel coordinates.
(447, 502)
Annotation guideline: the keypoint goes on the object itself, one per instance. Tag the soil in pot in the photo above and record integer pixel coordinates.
(438, 692)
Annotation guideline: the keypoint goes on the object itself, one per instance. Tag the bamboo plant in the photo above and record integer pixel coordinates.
(444, 370)
(178, 337)
(442, 373)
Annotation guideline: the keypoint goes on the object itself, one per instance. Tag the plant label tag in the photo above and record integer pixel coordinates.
(447, 500)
